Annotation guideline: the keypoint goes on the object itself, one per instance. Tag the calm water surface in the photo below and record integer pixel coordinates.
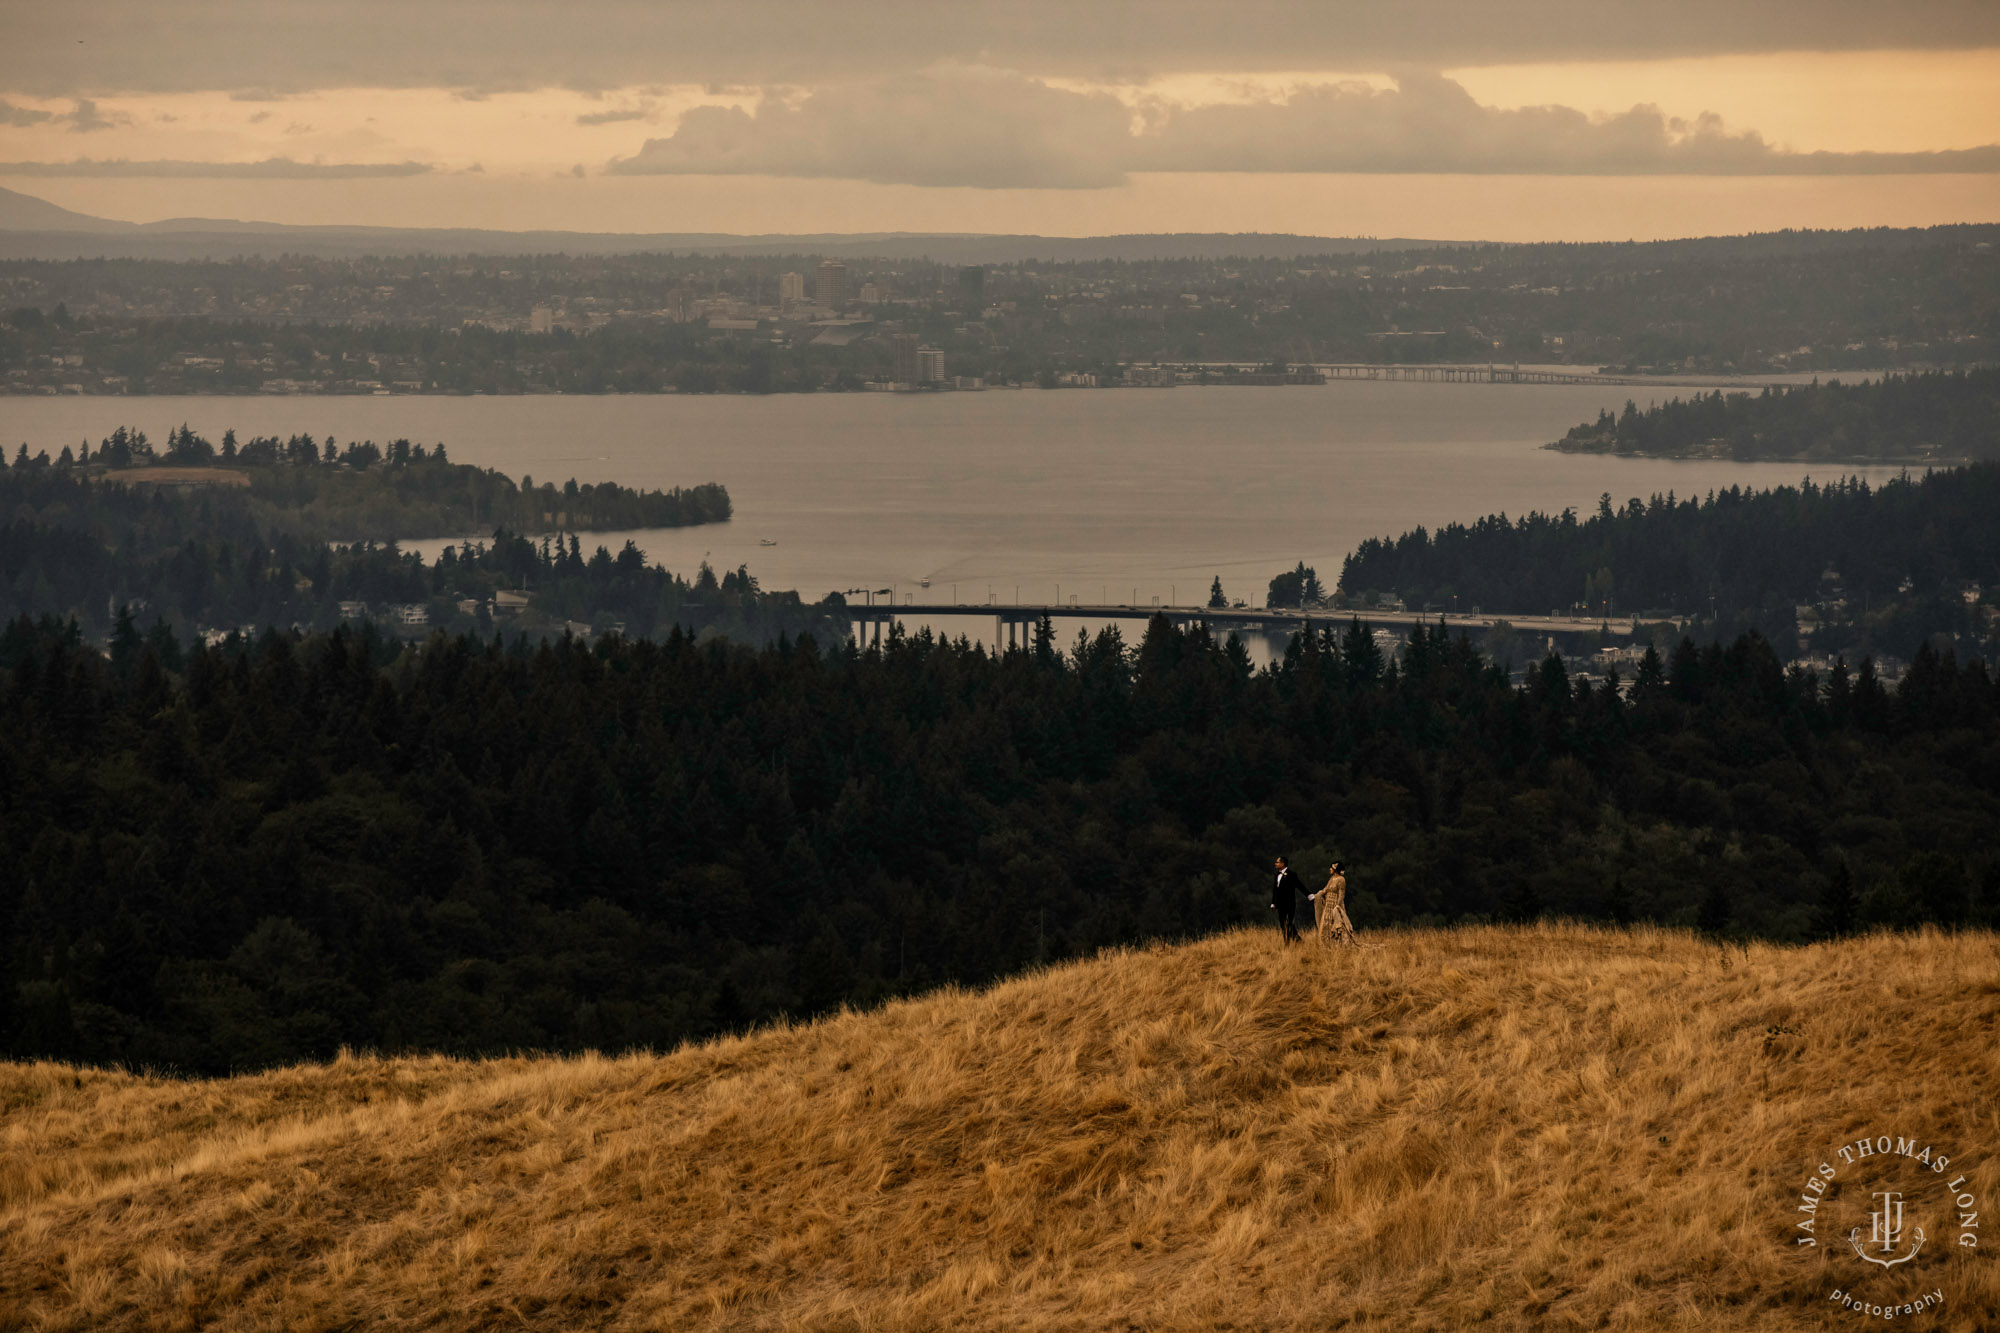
(1121, 494)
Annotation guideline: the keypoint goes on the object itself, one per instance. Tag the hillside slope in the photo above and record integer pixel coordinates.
(1545, 1127)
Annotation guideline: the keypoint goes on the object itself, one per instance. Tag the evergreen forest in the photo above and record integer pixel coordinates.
(321, 491)
(1873, 569)
(82, 538)
(1934, 416)
(228, 856)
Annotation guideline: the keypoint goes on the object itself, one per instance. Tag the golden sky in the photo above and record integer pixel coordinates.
(1576, 148)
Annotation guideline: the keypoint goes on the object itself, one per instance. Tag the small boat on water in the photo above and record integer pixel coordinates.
(765, 541)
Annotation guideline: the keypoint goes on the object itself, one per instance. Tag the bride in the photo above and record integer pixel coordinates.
(1331, 925)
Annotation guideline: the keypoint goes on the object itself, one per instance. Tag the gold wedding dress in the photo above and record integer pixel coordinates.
(1331, 925)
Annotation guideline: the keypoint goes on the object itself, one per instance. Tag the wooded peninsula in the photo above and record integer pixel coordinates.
(293, 532)
(320, 490)
(1854, 568)
(1940, 416)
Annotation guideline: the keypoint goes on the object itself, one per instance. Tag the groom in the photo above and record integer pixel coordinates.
(1285, 901)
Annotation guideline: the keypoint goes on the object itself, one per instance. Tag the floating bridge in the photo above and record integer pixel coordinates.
(1014, 623)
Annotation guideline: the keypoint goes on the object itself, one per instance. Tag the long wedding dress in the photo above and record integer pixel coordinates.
(1331, 925)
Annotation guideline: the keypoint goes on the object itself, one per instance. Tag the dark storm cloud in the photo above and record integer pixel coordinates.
(271, 168)
(103, 46)
(995, 129)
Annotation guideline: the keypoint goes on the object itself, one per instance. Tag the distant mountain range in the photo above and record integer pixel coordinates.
(32, 228)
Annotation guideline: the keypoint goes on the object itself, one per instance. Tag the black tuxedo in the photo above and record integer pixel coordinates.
(1285, 902)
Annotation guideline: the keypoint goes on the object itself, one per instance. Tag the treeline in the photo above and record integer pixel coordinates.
(397, 491)
(1888, 566)
(225, 857)
(1948, 416)
(79, 545)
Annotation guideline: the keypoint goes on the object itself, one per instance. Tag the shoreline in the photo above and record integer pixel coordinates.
(1724, 457)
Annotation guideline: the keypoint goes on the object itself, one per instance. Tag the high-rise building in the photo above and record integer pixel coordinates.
(905, 347)
(541, 319)
(791, 289)
(871, 294)
(930, 365)
(972, 291)
(831, 290)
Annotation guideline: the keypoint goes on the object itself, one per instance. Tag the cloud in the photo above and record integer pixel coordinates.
(994, 129)
(271, 168)
(83, 118)
(21, 115)
(958, 126)
(505, 45)
(1430, 124)
(613, 117)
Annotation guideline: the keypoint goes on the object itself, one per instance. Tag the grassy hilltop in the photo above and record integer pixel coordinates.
(1547, 1127)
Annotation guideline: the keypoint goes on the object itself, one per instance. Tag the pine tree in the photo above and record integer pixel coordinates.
(125, 643)
(1045, 641)
(1935, 884)
(1713, 916)
(1833, 915)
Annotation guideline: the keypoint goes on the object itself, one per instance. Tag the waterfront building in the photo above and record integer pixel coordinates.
(831, 290)
(904, 347)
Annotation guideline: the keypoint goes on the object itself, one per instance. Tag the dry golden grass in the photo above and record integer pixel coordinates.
(1540, 1128)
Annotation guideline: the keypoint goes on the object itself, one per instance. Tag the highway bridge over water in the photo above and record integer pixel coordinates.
(1015, 623)
(1495, 373)
(1492, 374)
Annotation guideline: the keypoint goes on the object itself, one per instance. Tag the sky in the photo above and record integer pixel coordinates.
(1465, 119)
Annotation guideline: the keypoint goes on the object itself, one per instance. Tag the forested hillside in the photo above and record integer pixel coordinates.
(1938, 416)
(319, 490)
(80, 541)
(235, 856)
(1882, 568)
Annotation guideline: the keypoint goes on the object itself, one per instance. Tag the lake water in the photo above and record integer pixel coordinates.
(1127, 495)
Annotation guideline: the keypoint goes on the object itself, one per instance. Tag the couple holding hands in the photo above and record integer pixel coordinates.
(1331, 925)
